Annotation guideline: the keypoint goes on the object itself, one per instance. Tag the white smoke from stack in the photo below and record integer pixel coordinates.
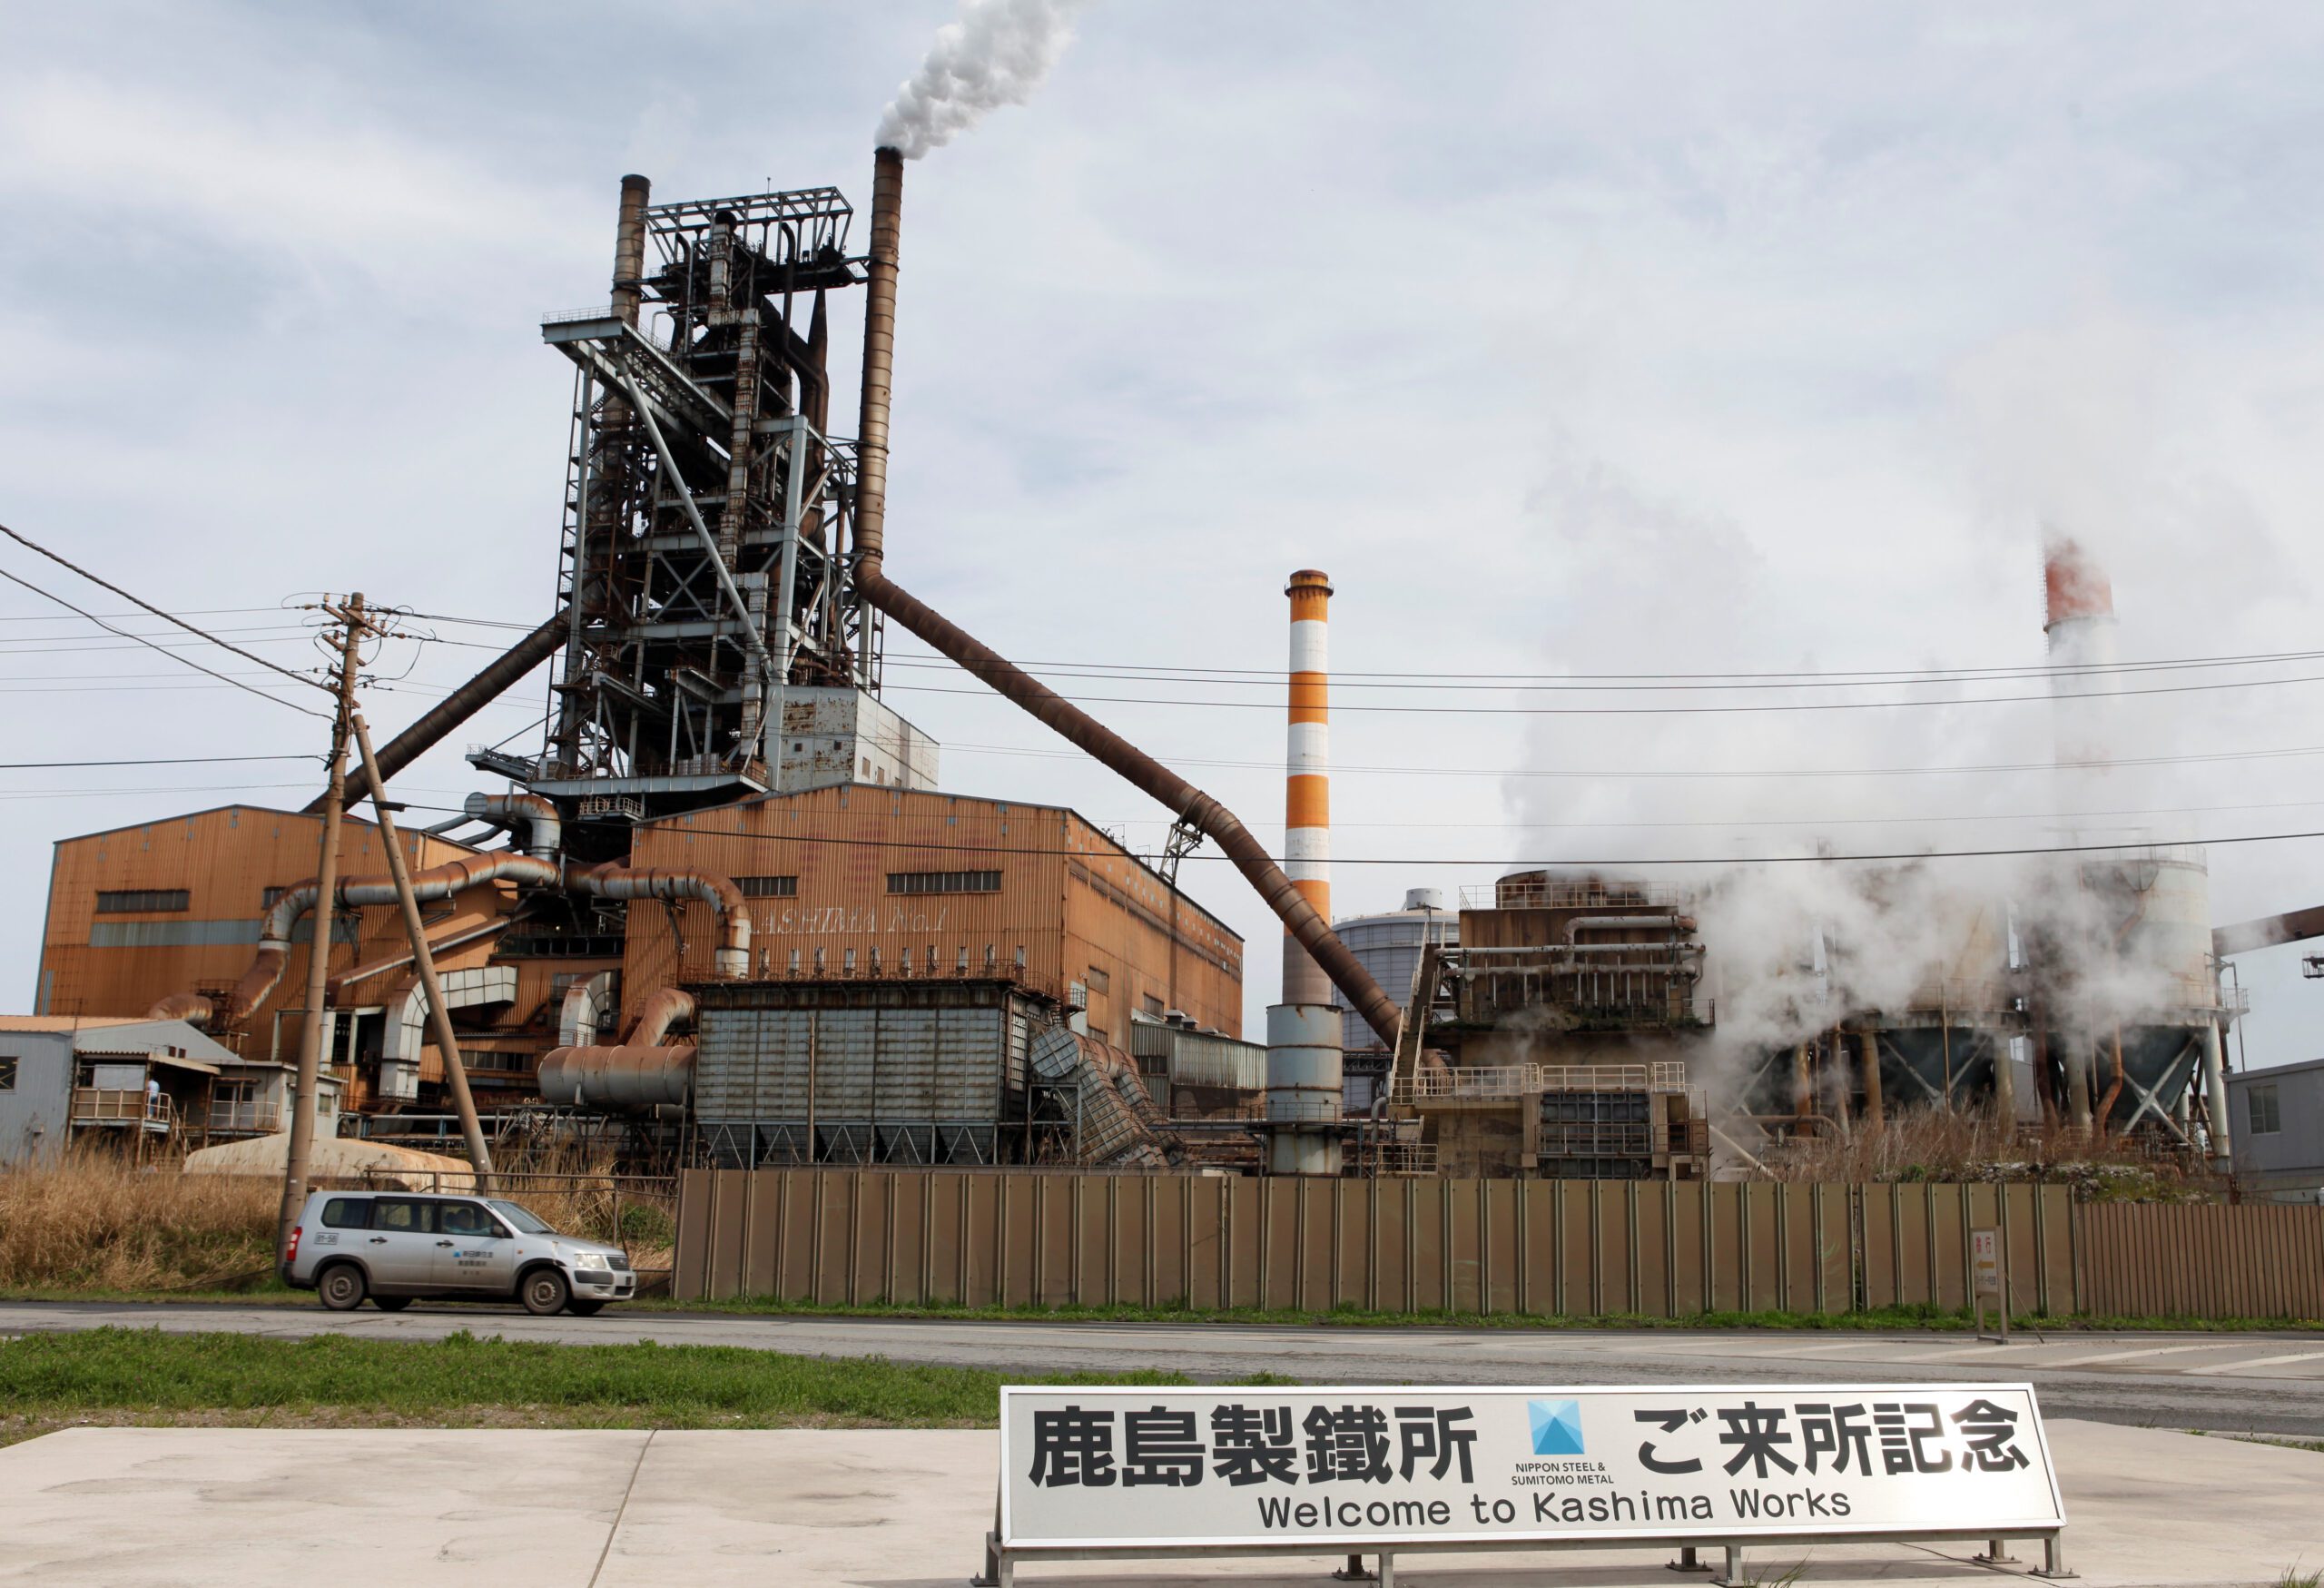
(997, 53)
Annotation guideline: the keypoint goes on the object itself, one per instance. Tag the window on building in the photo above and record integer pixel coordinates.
(7, 1072)
(850, 962)
(943, 882)
(2266, 1113)
(794, 961)
(768, 887)
(269, 898)
(1152, 1005)
(132, 901)
(1100, 981)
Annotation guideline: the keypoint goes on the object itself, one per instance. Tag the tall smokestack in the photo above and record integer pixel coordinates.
(2079, 618)
(879, 361)
(1307, 777)
(629, 246)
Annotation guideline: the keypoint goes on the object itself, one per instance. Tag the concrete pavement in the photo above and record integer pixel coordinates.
(248, 1508)
(2243, 1383)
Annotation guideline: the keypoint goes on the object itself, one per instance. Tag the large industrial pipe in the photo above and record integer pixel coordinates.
(496, 678)
(643, 1071)
(544, 830)
(625, 1077)
(1189, 804)
(610, 881)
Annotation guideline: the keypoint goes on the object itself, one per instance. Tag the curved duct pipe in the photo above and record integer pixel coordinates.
(643, 1071)
(582, 1014)
(1186, 802)
(496, 678)
(544, 829)
(733, 960)
(610, 881)
(669, 1007)
(190, 1007)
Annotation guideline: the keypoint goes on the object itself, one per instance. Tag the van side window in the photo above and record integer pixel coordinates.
(348, 1213)
(410, 1217)
(466, 1218)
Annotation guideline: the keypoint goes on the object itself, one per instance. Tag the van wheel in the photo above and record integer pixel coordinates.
(392, 1303)
(585, 1308)
(342, 1287)
(544, 1292)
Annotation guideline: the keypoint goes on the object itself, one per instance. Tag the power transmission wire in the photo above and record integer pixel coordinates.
(1898, 675)
(1277, 705)
(188, 661)
(147, 761)
(677, 824)
(32, 544)
(1577, 683)
(1600, 773)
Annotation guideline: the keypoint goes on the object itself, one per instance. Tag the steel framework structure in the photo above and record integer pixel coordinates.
(706, 511)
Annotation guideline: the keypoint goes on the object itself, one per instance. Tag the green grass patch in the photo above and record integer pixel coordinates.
(146, 1376)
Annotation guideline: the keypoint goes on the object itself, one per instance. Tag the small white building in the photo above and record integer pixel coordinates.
(2276, 1120)
(142, 1088)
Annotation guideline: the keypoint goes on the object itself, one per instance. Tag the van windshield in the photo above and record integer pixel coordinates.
(525, 1223)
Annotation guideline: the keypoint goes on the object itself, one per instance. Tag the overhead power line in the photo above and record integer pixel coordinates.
(147, 761)
(1578, 863)
(1890, 674)
(1611, 683)
(1277, 705)
(61, 562)
(187, 661)
(1340, 769)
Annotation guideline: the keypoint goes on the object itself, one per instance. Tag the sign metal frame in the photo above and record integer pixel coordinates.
(1003, 1550)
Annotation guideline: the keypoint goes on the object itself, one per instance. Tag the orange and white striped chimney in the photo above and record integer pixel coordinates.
(2078, 616)
(1307, 778)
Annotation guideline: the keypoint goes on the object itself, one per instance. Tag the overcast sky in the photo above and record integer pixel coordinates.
(1569, 340)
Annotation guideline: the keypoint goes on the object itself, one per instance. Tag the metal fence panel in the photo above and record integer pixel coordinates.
(1585, 1249)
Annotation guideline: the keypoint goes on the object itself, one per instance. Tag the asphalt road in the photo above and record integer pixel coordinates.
(2242, 1383)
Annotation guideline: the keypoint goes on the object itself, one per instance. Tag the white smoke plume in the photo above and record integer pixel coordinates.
(997, 53)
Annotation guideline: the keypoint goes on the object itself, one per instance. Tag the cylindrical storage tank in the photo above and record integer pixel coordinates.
(1389, 945)
(2167, 956)
(1303, 1089)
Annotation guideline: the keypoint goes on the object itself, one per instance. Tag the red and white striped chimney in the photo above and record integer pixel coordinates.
(1308, 780)
(2079, 618)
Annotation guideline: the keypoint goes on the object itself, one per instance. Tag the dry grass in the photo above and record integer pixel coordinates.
(95, 1224)
(1976, 1147)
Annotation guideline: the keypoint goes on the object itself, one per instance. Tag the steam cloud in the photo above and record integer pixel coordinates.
(997, 53)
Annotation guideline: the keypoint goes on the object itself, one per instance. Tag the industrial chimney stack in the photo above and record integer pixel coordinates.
(1304, 1032)
(1307, 777)
(2079, 618)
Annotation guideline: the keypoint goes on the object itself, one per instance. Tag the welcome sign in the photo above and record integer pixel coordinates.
(1363, 1469)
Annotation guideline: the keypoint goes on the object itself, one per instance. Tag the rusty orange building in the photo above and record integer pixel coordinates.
(860, 880)
(851, 882)
(139, 913)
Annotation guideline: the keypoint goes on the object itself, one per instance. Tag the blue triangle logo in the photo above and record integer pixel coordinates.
(1557, 1428)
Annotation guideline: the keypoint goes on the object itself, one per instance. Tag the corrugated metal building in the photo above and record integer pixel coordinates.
(888, 883)
(139, 913)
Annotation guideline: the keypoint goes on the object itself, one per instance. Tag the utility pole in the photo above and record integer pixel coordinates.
(439, 1015)
(311, 1034)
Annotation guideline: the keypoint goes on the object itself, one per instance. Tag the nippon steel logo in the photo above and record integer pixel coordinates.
(1556, 1426)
